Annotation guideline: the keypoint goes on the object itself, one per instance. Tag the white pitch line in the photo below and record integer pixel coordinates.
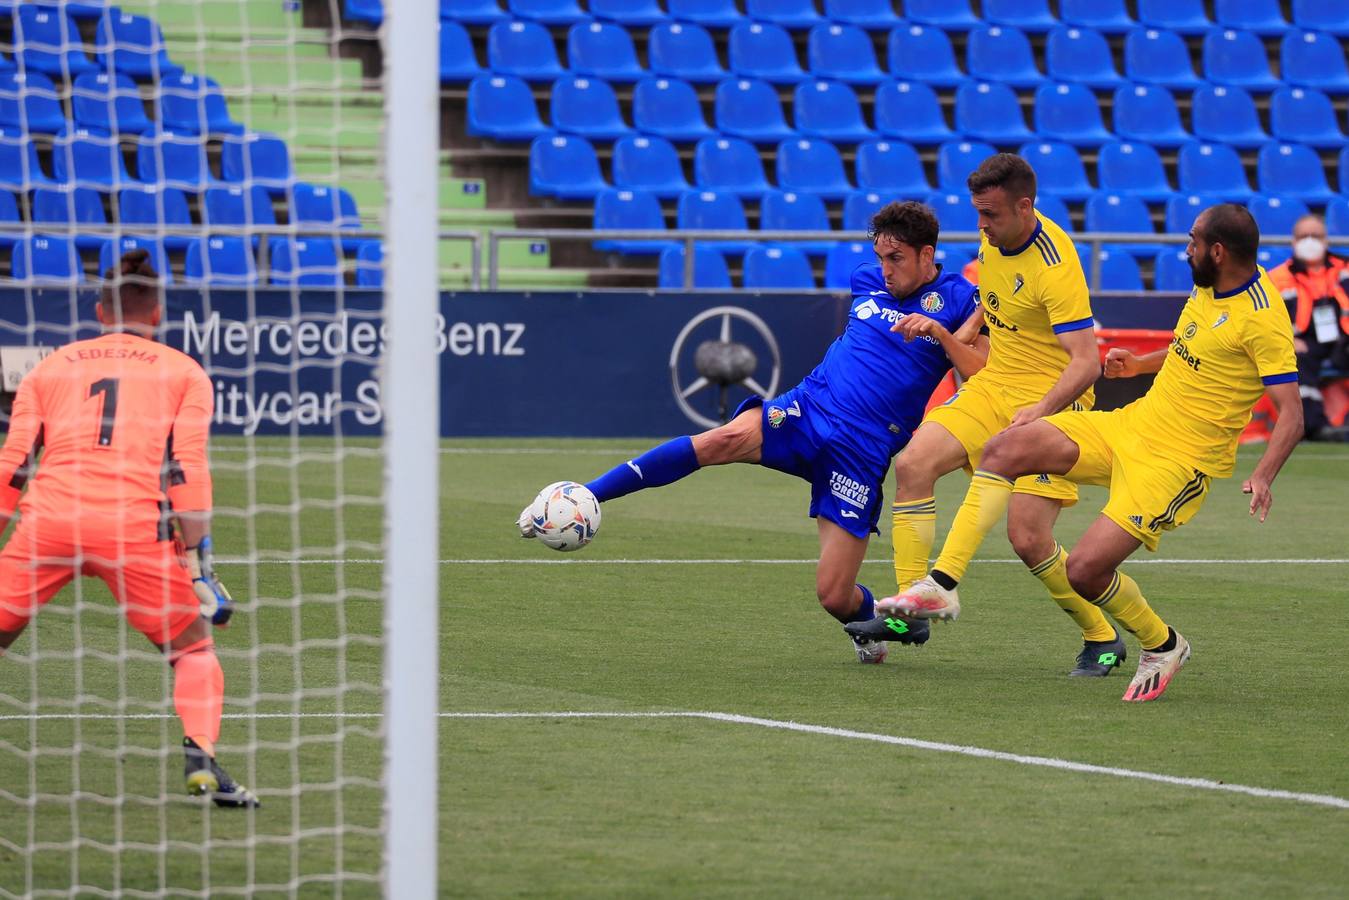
(743, 562)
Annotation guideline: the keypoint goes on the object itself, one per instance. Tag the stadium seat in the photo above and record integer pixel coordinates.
(1337, 223)
(1053, 208)
(792, 211)
(11, 222)
(174, 160)
(76, 9)
(812, 166)
(873, 15)
(1181, 210)
(860, 206)
(603, 50)
(472, 12)
(133, 45)
(1082, 56)
(108, 102)
(1171, 271)
(842, 260)
(1106, 16)
(1058, 169)
(194, 104)
(89, 158)
(748, 108)
(236, 206)
(763, 50)
(629, 210)
(46, 40)
(502, 107)
(683, 50)
(709, 269)
(1159, 57)
(547, 12)
(458, 59)
(1304, 116)
(1292, 170)
(371, 12)
(1180, 16)
(114, 248)
(956, 160)
(256, 158)
(1314, 60)
(158, 207)
(1118, 270)
(20, 169)
(786, 13)
(668, 107)
(524, 50)
(1125, 167)
(1070, 113)
(648, 164)
(1148, 113)
(325, 208)
(777, 267)
(28, 100)
(224, 261)
(1344, 171)
(1029, 15)
(708, 13)
(1122, 214)
(1226, 115)
(588, 107)
(370, 265)
(564, 166)
(628, 12)
(728, 165)
(891, 167)
(1276, 215)
(1212, 169)
(955, 214)
(910, 111)
(304, 261)
(830, 110)
(713, 211)
(46, 257)
(948, 15)
(990, 112)
(70, 206)
(1318, 15)
(1263, 17)
(1000, 54)
(916, 53)
(843, 53)
(1237, 59)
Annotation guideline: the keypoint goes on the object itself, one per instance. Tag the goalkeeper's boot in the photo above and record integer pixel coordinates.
(1155, 671)
(890, 628)
(526, 522)
(205, 778)
(924, 599)
(1098, 658)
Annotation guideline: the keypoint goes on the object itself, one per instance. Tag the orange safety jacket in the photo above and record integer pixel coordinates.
(1294, 281)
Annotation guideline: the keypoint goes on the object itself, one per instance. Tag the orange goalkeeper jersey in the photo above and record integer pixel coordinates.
(121, 424)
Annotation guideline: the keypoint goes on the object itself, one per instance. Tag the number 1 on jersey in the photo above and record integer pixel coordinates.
(108, 388)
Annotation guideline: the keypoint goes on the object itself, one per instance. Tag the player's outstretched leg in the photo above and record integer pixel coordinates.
(841, 555)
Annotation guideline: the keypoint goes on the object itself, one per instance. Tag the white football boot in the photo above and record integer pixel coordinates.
(924, 599)
(1155, 671)
(868, 651)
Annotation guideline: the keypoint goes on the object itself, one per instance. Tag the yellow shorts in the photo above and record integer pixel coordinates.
(980, 410)
(1148, 494)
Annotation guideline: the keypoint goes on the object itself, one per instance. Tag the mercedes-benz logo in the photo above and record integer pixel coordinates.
(723, 318)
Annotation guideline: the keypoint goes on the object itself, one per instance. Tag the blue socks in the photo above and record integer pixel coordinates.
(867, 611)
(658, 466)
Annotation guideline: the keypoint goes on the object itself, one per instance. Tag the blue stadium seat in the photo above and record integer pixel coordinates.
(28, 100)
(603, 50)
(873, 15)
(89, 158)
(842, 260)
(1318, 15)
(792, 211)
(842, 52)
(547, 12)
(235, 206)
(114, 248)
(11, 222)
(108, 102)
(713, 211)
(1226, 115)
(628, 12)
(1148, 113)
(709, 13)
(564, 166)
(133, 45)
(70, 206)
(1311, 59)
(174, 160)
(588, 107)
(648, 164)
(891, 167)
(325, 208)
(918, 53)
(910, 110)
(1160, 57)
(458, 59)
(1053, 208)
(257, 158)
(1106, 16)
(748, 108)
(630, 210)
(956, 160)
(709, 269)
(157, 207)
(1182, 209)
(763, 50)
(997, 53)
(20, 169)
(78, 9)
(1337, 223)
(778, 267)
(1237, 59)
(1292, 170)
(371, 12)
(830, 110)
(1171, 271)
(1121, 213)
(472, 12)
(46, 40)
(860, 206)
(683, 50)
(1214, 170)
(787, 13)
(1263, 17)
(1125, 167)
(812, 166)
(502, 107)
(1277, 215)
(1118, 271)
(948, 15)
(194, 103)
(1082, 56)
(1180, 16)
(1058, 169)
(1344, 171)
(1070, 113)
(524, 50)
(46, 257)
(223, 261)
(304, 261)
(990, 112)
(370, 265)
(668, 107)
(955, 214)
(1029, 15)
(728, 165)
(1304, 116)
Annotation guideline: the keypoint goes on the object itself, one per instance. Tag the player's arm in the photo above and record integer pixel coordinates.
(18, 458)
(966, 347)
(1121, 363)
(1084, 367)
(1288, 430)
(189, 479)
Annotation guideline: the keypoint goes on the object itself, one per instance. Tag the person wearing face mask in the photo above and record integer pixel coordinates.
(1315, 285)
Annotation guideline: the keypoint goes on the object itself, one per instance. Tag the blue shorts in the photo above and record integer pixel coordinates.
(845, 468)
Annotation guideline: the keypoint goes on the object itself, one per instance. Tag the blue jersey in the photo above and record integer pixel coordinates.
(873, 380)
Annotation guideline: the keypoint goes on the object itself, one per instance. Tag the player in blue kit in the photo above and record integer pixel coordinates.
(842, 425)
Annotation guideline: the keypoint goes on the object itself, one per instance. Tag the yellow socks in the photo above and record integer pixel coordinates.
(985, 506)
(1053, 572)
(915, 528)
(1125, 603)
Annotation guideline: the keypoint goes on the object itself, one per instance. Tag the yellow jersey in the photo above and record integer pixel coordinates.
(1226, 349)
(1030, 295)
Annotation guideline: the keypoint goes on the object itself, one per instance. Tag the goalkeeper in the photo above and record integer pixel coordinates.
(121, 424)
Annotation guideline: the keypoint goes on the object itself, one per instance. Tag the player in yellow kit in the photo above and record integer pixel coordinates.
(1233, 342)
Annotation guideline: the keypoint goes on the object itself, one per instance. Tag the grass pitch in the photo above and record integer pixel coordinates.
(651, 806)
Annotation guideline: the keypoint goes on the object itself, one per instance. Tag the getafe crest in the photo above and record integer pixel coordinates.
(931, 302)
(776, 416)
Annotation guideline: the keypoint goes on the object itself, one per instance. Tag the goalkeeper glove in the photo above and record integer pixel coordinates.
(216, 603)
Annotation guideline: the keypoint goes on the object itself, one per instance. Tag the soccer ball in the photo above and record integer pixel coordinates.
(566, 516)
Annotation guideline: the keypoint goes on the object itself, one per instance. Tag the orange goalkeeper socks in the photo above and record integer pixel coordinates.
(199, 694)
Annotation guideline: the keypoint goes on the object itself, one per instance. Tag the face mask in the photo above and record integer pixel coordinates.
(1309, 249)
